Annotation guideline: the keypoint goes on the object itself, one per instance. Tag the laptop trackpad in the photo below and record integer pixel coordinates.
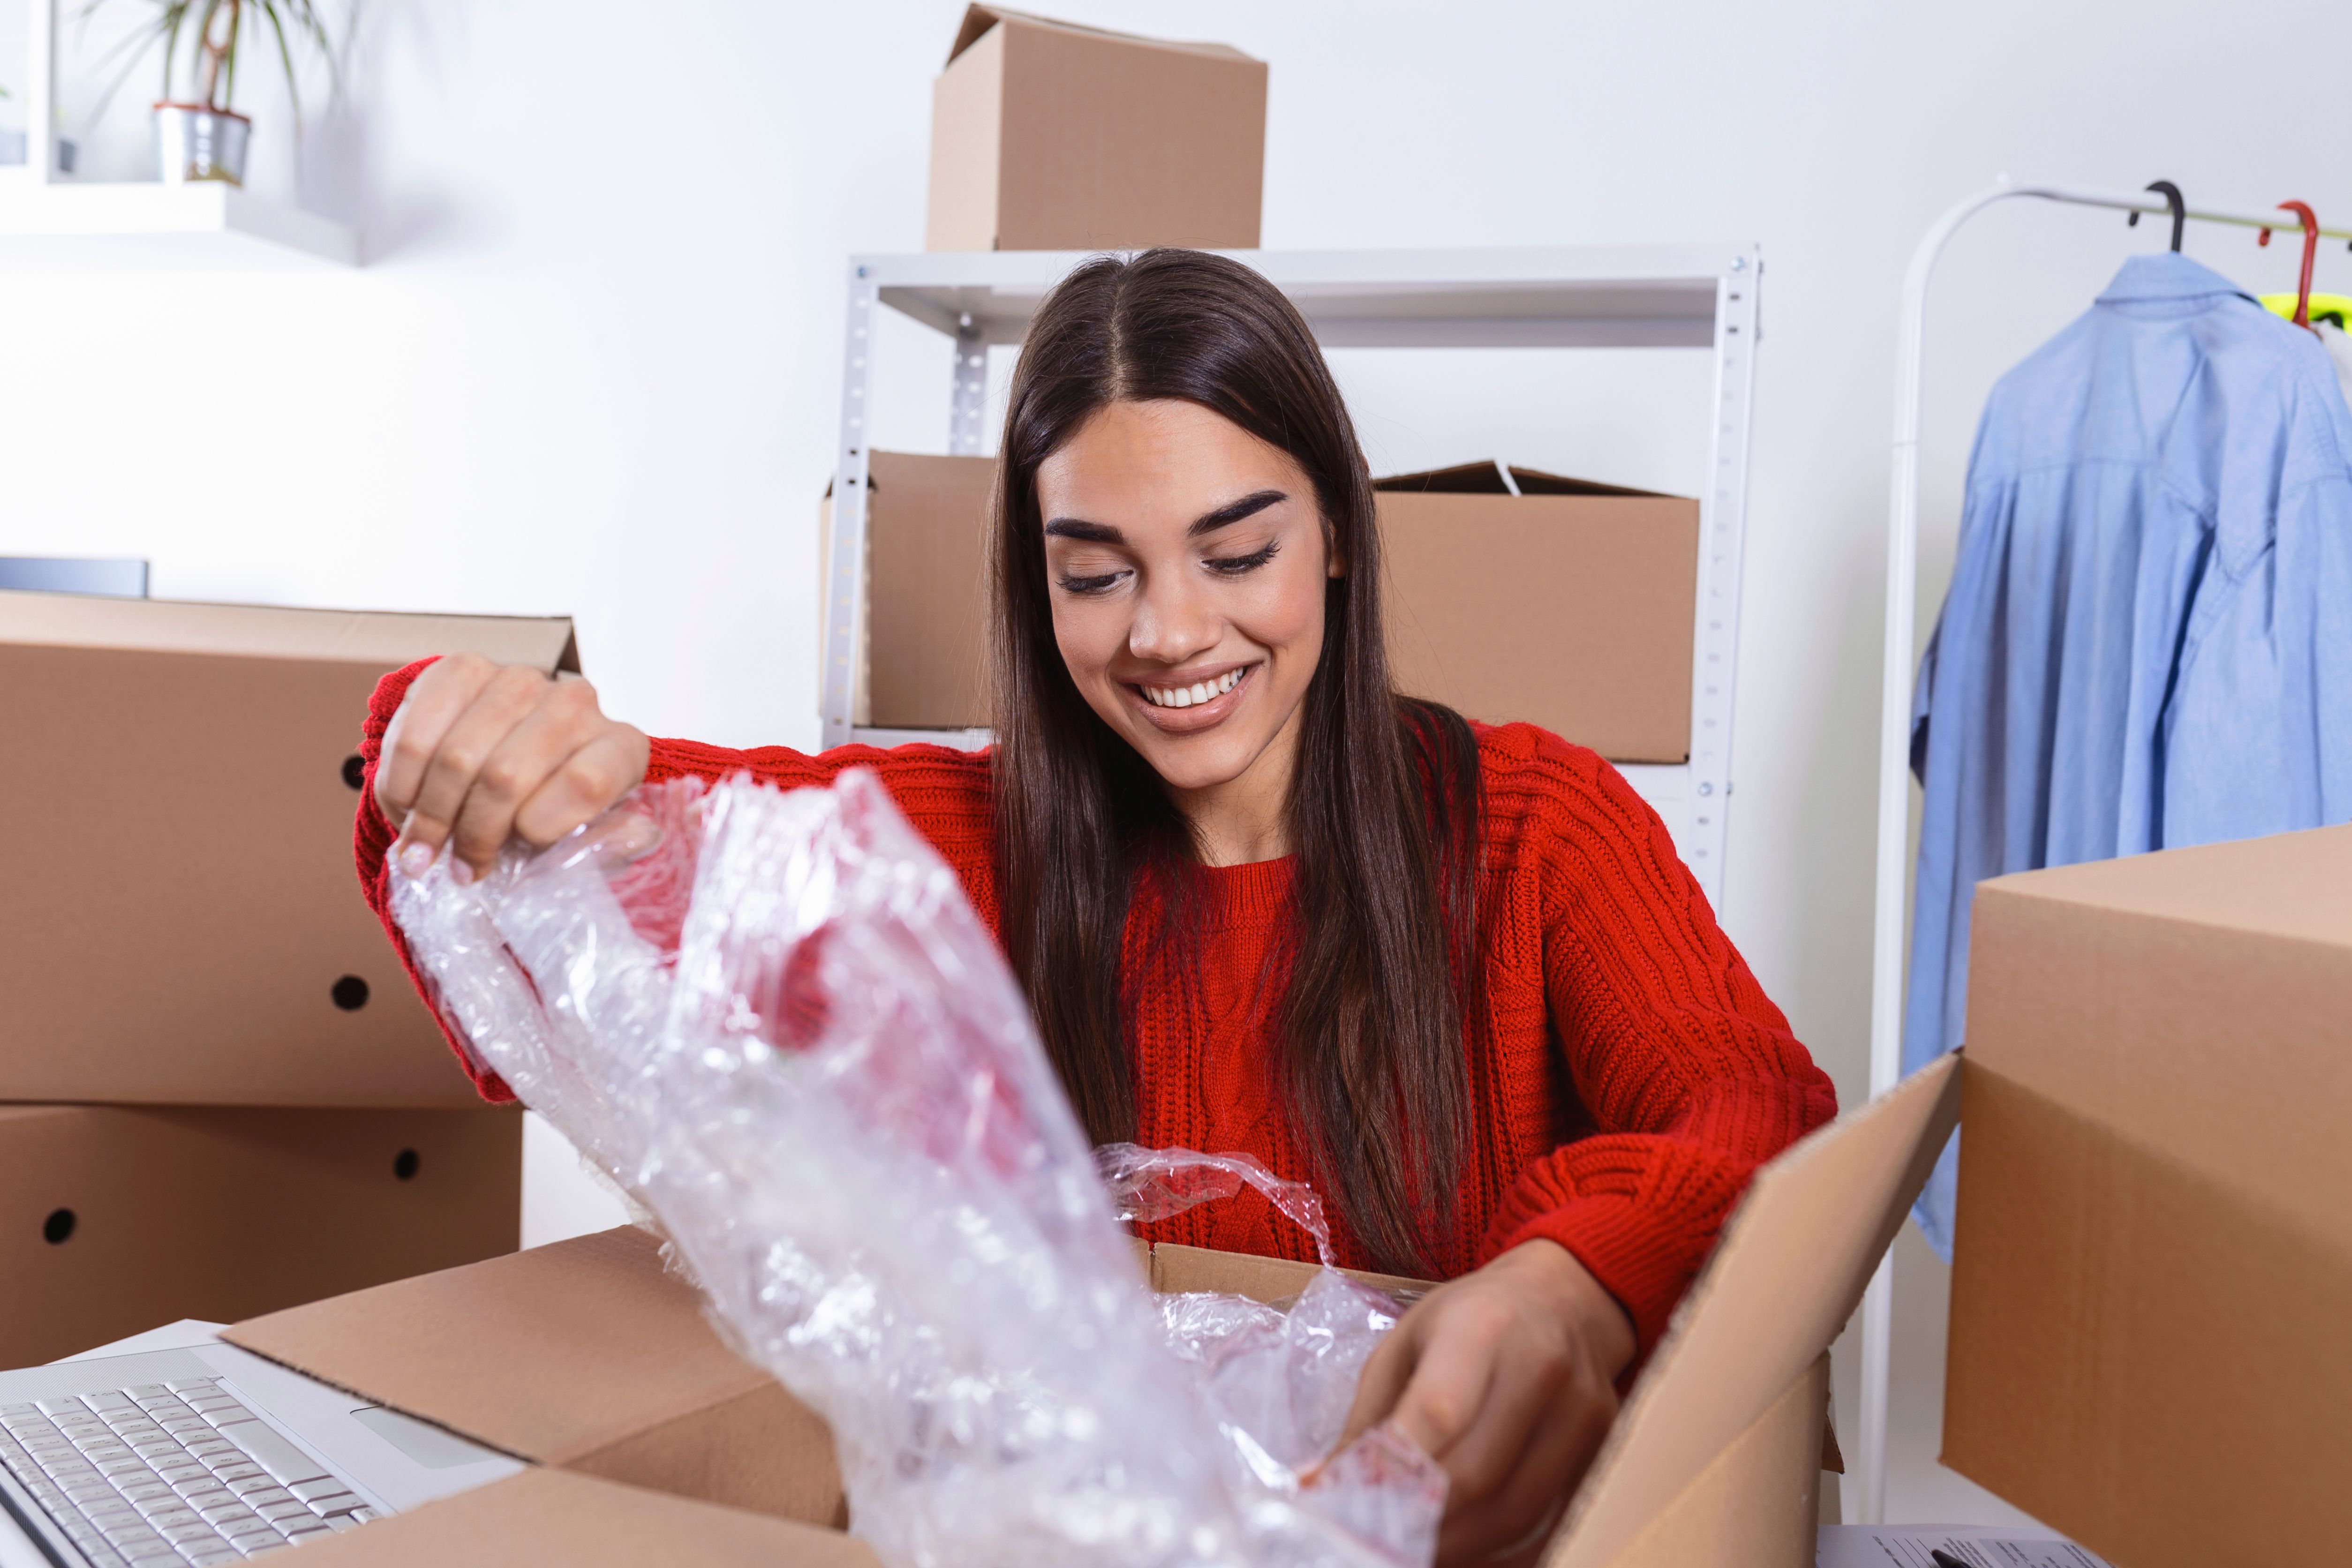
(426, 1444)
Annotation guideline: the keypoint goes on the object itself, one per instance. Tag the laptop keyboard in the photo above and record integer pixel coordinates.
(161, 1474)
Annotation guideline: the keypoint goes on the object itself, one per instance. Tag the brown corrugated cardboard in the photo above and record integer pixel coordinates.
(1051, 136)
(546, 1516)
(2153, 1267)
(1715, 1458)
(1746, 1343)
(179, 921)
(497, 1351)
(923, 659)
(1566, 604)
(114, 1220)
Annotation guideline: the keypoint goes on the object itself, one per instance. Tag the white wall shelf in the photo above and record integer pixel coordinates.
(1696, 296)
(132, 226)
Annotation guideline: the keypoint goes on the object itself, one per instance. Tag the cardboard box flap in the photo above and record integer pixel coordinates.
(345, 636)
(544, 1516)
(1534, 482)
(1496, 477)
(979, 19)
(1790, 1266)
(466, 1348)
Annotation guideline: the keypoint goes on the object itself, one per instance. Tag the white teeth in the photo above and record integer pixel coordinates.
(1199, 691)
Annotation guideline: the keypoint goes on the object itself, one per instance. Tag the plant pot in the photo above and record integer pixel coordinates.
(196, 142)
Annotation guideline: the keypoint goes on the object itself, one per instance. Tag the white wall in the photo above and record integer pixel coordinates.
(590, 365)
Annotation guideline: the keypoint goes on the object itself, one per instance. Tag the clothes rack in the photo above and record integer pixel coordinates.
(1894, 729)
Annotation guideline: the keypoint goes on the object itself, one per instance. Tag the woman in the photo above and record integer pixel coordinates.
(1452, 975)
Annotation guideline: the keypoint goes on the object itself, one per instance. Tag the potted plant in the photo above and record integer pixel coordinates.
(206, 138)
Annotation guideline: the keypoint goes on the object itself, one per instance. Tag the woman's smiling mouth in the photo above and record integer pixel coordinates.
(1183, 707)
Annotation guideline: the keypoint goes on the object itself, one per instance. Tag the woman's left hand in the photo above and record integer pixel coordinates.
(1506, 1377)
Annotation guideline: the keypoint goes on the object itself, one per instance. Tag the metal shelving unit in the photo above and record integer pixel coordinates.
(1695, 296)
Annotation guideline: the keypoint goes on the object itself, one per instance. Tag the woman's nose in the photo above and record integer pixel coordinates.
(1172, 624)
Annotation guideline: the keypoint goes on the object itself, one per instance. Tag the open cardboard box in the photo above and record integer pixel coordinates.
(586, 1356)
(1590, 635)
(1588, 631)
(179, 923)
(1051, 136)
(2152, 1280)
(116, 1218)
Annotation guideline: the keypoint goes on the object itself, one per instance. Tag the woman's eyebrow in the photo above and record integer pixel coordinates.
(1092, 533)
(1248, 506)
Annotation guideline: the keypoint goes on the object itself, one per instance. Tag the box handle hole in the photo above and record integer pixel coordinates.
(57, 1226)
(351, 993)
(354, 770)
(404, 1165)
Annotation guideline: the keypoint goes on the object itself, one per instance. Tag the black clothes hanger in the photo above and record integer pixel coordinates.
(2172, 198)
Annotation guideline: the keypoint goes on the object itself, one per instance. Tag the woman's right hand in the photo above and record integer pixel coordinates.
(480, 753)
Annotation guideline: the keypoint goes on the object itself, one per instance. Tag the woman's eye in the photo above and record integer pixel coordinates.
(1234, 565)
(1091, 584)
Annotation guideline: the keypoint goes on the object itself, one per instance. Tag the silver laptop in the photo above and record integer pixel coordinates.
(202, 1454)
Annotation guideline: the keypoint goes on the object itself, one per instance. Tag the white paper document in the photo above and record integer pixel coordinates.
(1916, 1545)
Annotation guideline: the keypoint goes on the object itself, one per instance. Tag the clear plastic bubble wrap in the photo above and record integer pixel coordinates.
(775, 1021)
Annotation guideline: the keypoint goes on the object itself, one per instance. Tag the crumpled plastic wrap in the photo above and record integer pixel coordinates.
(772, 1019)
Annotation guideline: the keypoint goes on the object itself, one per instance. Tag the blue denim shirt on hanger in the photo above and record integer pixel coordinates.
(2147, 641)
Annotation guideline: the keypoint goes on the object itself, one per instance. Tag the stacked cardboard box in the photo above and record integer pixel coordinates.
(218, 1094)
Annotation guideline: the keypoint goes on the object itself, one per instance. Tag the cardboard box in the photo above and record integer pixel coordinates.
(1716, 1457)
(2153, 1271)
(1567, 604)
(113, 1219)
(179, 919)
(924, 655)
(1050, 136)
(1589, 635)
(545, 1516)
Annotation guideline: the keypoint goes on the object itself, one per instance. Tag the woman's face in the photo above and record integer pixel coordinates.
(1186, 560)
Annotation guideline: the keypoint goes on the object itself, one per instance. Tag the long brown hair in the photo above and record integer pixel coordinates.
(1383, 804)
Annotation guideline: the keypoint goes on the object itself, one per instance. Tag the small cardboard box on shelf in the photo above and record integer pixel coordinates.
(1051, 136)
(1586, 631)
(923, 655)
(114, 1219)
(179, 922)
(2153, 1260)
(588, 1357)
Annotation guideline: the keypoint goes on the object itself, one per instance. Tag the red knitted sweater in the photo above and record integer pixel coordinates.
(1627, 1074)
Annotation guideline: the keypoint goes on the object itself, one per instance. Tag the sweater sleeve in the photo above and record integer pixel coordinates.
(1689, 1073)
(942, 790)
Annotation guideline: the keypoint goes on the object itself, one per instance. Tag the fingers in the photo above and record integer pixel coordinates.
(590, 780)
(1511, 1524)
(1386, 1373)
(1449, 1387)
(466, 745)
(444, 691)
(519, 765)
(1521, 1389)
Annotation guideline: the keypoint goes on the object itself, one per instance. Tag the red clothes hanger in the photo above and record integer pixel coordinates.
(2310, 249)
